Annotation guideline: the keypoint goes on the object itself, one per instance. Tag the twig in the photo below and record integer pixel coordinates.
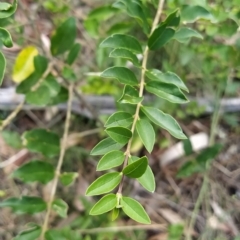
(60, 162)
(11, 116)
(142, 82)
(123, 228)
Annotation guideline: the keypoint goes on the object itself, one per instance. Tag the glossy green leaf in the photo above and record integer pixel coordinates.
(164, 120)
(73, 53)
(147, 180)
(60, 207)
(115, 214)
(6, 9)
(122, 74)
(40, 171)
(130, 95)
(25, 204)
(105, 204)
(67, 178)
(135, 210)
(13, 139)
(104, 184)
(160, 37)
(166, 91)
(193, 13)
(110, 160)
(6, 38)
(167, 77)
(126, 54)
(29, 234)
(184, 34)
(119, 134)
(105, 146)
(137, 168)
(64, 37)
(135, 9)
(122, 41)
(42, 141)
(146, 133)
(2, 67)
(173, 19)
(119, 119)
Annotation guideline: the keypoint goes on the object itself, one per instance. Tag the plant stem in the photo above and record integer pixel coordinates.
(60, 162)
(142, 82)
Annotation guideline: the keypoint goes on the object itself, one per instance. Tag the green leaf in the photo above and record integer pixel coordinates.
(64, 37)
(126, 54)
(29, 234)
(193, 13)
(105, 146)
(119, 119)
(190, 168)
(135, 210)
(73, 53)
(60, 207)
(13, 139)
(122, 41)
(25, 204)
(6, 38)
(102, 13)
(61, 97)
(39, 97)
(167, 77)
(42, 141)
(119, 134)
(187, 145)
(40, 171)
(135, 9)
(166, 91)
(110, 160)
(122, 74)
(6, 9)
(175, 232)
(67, 178)
(173, 19)
(184, 34)
(130, 95)
(146, 133)
(147, 180)
(104, 184)
(55, 235)
(137, 168)
(105, 204)
(164, 120)
(160, 37)
(122, 27)
(2, 67)
(115, 213)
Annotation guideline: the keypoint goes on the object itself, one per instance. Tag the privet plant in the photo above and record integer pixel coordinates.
(42, 88)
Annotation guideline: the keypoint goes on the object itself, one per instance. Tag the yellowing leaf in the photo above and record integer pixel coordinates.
(24, 65)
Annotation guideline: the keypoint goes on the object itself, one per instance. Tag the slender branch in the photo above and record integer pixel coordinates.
(60, 162)
(142, 82)
(8, 120)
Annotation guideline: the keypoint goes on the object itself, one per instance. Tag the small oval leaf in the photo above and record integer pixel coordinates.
(2, 67)
(130, 95)
(166, 91)
(119, 119)
(164, 120)
(122, 74)
(146, 133)
(105, 204)
(105, 146)
(6, 38)
(122, 41)
(60, 207)
(184, 34)
(137, 168)
(104, 184)
(135, 210)
(119, 134)
(110, 160)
